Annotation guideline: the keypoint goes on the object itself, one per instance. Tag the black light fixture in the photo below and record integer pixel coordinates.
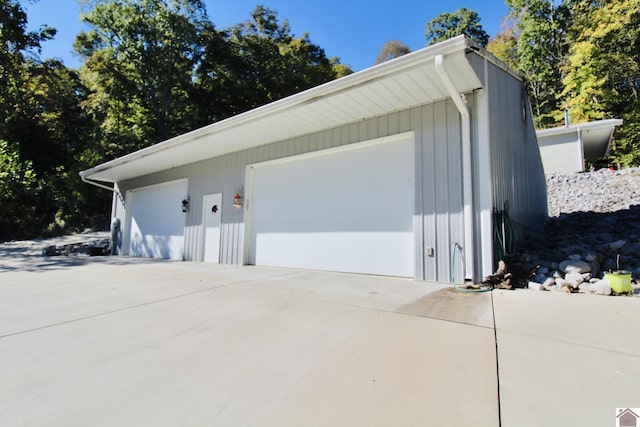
(185, 205)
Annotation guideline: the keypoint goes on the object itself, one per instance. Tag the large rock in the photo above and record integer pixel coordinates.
(575, 266)
(601, 287)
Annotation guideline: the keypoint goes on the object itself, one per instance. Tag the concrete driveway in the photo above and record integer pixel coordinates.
(121, 341)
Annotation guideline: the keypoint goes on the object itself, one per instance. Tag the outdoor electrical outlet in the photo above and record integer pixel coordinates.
(429, 251)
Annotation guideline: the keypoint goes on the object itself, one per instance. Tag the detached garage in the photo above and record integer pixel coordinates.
(564, 149)
(395, 170)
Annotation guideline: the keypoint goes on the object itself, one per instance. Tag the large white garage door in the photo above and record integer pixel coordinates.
(157, 221)
(348, 209)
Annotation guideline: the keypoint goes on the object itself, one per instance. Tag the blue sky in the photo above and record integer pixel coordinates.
(353, 30)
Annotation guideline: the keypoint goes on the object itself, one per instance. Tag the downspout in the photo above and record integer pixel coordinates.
(467, 182)
(581, 143)
(115, 223)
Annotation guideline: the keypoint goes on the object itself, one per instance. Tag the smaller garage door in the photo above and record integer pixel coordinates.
(157, 221)
(348, 209)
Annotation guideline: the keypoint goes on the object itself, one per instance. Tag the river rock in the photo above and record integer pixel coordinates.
(601, 287)
(536, 286)
(574, 279)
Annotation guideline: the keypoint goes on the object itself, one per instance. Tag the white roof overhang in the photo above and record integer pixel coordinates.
(596, 136)
(404, 82)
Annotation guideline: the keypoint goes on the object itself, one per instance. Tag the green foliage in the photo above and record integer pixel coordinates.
(391, 50)
(261, 54)
(583, 55)
(448, 25)
(603, 70)
(140, 57)
(541, 48)
(15, 43)
(19, 191)
(340, 69)
(505, 46)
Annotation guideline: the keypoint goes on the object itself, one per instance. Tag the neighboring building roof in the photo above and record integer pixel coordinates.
(402, 83)
(596, 136)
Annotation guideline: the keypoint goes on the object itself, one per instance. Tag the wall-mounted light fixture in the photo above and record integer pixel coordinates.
(185, 205)
(237, 200)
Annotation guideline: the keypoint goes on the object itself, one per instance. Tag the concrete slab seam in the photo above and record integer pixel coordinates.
(106, 313)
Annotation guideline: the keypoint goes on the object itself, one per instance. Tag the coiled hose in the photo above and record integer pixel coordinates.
(504, 243)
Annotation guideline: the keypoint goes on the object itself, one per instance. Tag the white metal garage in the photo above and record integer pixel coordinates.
(156, 221)
(418, 207)
(346, 209)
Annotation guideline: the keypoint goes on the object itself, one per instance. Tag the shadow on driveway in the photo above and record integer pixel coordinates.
(27, 255)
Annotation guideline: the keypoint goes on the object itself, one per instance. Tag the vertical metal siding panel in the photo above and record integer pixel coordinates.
(413, 120)
(518, 175)
(428, 127)
(383, 126)
(394, 125)
(338, 136)
(329, 138)
(345, 133)
(353, 133)
(236, 170)
(455, 207)
(441, 142)
(363, 131)
(372, 129)
(405, 119)
(323, 141)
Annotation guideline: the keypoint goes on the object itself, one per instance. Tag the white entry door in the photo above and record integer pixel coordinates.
(211, 219)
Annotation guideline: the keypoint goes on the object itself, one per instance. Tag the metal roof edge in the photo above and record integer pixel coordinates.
(456, 45)
(598, 124)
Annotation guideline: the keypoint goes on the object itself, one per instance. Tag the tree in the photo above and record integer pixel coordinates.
(18, 194)
(27, 149)
(340, 69)
(260, 61)
(602, 70)
(391, 50)
(15, 43)
(505, 45)
(541, 49)
(140, 60)
(448, 25)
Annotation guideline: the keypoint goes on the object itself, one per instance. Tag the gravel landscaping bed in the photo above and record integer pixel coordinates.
(593, 228)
